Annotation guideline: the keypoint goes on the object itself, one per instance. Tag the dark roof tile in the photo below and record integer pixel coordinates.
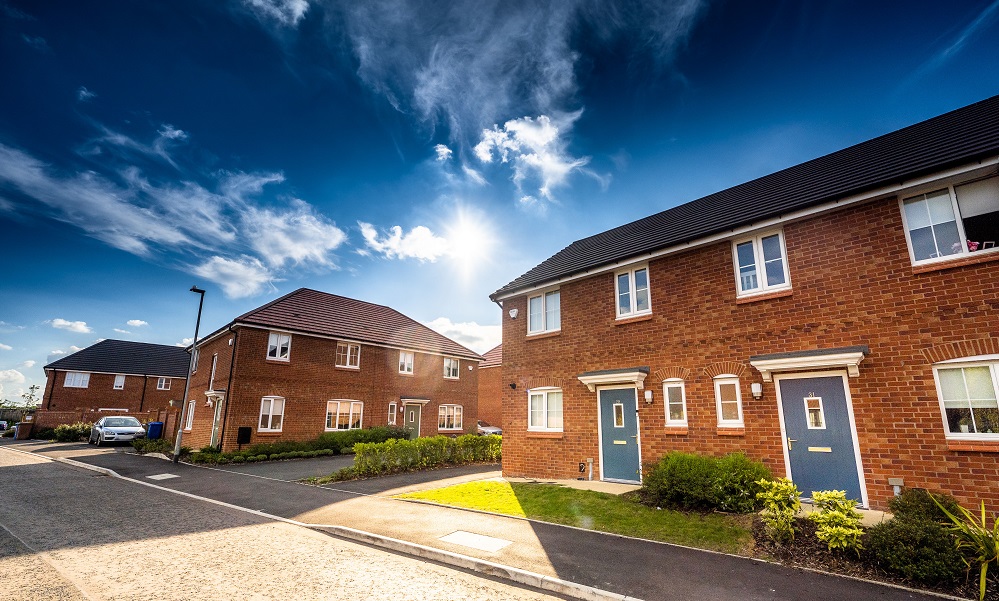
(124, 357)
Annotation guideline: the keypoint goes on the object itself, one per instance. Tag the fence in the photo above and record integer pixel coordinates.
(51, 419)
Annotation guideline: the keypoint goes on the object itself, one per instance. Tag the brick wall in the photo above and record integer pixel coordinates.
(139, 393)
(491, 395)
(310, 379)
(852, 284)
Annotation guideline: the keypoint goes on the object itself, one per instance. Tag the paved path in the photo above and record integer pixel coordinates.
(631, 567)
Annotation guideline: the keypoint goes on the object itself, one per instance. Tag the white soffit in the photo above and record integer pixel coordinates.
(594, 379)
(849, 360)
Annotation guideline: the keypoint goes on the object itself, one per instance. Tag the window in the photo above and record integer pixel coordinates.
(279, 347)
(968, 398)
(76, 379)
(271, 413)
(761, 265)
(211, 380)
(676, 402)
(163, 384)
(544, 313)
(728, 400)
(391, 414)
(814, 413)
(406, 362)
(633, 292)
(344, 415)
(119, 382)
(544, 409)
(195, 355)
(449, 417)
(953, 221)
(189, 418)
(451, 368)
(348, 355)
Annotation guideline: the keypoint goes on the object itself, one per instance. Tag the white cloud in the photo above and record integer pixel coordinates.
(11, 377)
(296, 236)
(75, 349)
(239, 278)
(57, 352)
(479, 338)
(83, 94)
(285, 12)
(473, 176)
(27, 364)
(5, 347)
(37, 42)
(184, 342)
(79, 327)
(443, 152)
(420, 243)
(135, 323)
(120, 331)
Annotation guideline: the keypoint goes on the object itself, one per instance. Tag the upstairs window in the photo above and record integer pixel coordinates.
(348, 355)
(211, 379)
(632, 289)
(406, 359)
(451, 371)
(544, 411)
(271, 414)
(675, 398)
(953, 221)
(279, 347)
(344, 415)
(761, 264)
(449, 417)
(728, 401)
(544, 313)
(76, 379)
(163, 384)
(968, 398)
(119, 382)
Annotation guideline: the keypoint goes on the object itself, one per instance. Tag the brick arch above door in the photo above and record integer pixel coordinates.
(963, 348)
(671, 373)
(725, 367)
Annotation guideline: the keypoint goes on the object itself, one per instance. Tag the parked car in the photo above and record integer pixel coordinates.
(3, 425)
(118, 428)
(485, 428)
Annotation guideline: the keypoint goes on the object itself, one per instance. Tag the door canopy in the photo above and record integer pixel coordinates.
(848, 357)
(629, 375)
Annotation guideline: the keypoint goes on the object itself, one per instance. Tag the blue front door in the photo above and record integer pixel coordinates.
(818, 435)
(619, 459)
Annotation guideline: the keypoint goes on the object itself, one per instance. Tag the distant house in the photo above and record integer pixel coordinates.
(837, 320)
(115, 376)
(311, 362)
(490, 387)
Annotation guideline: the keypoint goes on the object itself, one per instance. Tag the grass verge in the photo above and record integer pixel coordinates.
(597, 511)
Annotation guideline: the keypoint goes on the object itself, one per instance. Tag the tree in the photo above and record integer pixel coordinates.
(31, 398)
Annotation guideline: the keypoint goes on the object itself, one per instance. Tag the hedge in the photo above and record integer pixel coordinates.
(398, 455)
(330, 443)
(688, 481)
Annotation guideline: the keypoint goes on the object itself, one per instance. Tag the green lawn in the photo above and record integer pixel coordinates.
(596, 511)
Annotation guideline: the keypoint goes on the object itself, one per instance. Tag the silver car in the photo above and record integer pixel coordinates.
(116, 429)
(485, 428)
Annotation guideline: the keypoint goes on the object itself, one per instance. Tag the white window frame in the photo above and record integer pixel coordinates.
(356, 364)
(162, 383)
(545, 326)
(195, 356)
(271, 413)
(407, 361)
(452, 365)
(632, 291)
(959, 220)
(119, 382)
(189, 418)
(544, 391)
(211, 379)
(76, 379)
(721, 380)
(393, 409)
(822, 413)
(990, 361)
(675, 383)
(456, 413)
(760, 264)
(348, 407)
(274, 341)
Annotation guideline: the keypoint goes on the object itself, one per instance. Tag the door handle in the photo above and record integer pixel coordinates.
(790, 441)
(635, 436)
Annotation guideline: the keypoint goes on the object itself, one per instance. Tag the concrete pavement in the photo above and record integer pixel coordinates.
(594, 563)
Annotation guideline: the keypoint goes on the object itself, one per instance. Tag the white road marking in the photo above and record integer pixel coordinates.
(163, 476)
(475, 541)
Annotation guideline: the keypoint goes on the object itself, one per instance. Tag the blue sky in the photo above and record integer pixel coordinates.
(414, 154)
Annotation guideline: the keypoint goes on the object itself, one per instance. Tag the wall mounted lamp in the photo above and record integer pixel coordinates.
(514, 313)
(757, 389)
(648, 397)
(513, 385)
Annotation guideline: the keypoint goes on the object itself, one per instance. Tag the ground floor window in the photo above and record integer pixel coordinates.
(728, 400)
(391, 414)
(344, 415)
(544, 409)
(271, 413)
(190, 415)
(449, 417)
(676, 402)
(968, 397)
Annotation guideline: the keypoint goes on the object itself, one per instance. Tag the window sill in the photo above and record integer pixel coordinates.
(676, 430)
(620, 321)
(346, 368)
(973, 259)
(269, 433)
(450, 430)
(406, 373)
(983, 446)
(541, 335)
(272, 360)
(762, 296)
(451, 379)
(535, 434)
(731, 431)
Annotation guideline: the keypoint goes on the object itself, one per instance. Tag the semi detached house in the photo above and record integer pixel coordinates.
(311, 362)
(838, 320)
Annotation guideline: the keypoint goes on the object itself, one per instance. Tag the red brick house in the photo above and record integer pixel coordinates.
(838, 320)
(311, 362)
(490, 387)
(113, 376)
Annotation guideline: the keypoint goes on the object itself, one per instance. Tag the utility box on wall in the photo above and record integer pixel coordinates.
(243, 434)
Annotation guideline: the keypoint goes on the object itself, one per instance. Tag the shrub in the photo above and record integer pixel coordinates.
(975, 538)
(399, 455)
(920, 550)
(688, 481)
(837, 522)
(239, 459)
(72, 432)
(917, 504)
(209, 450)
(159, 445)
(43, 434)
(781, 501)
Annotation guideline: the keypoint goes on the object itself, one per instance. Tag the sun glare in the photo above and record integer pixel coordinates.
(470, 241)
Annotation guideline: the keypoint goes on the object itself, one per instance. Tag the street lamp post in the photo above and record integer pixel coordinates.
(187, 383)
